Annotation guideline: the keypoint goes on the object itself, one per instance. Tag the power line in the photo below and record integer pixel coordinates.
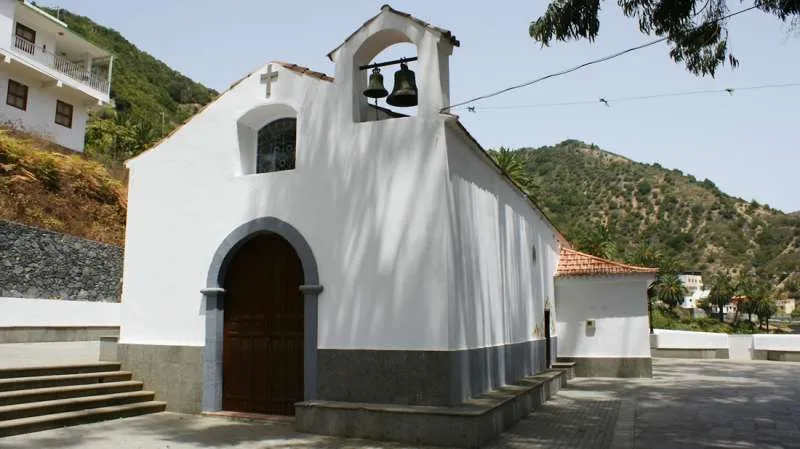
(585, 64)
(611, 101)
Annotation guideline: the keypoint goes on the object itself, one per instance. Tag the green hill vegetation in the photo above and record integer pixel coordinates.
(611, 205)
(150, 99)
(44, 186)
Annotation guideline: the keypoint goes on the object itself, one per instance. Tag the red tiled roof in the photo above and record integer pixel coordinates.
(576, 263)
(304, 71)
(446, 33)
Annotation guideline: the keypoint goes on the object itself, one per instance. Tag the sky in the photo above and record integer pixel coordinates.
(747, 143)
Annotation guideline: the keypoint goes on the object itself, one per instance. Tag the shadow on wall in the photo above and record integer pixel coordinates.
(357, 188)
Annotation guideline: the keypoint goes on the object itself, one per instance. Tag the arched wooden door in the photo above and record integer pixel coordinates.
(262, 368)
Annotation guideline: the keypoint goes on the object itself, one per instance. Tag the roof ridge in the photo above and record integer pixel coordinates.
(446, 33)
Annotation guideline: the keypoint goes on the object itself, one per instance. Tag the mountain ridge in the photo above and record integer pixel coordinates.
(582, 187)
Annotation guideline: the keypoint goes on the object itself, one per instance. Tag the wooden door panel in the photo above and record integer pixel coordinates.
(263, 330)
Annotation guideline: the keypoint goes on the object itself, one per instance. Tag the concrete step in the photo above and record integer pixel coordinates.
(28, 409)
(72, 391)
(6, 373)
(55, 420)
(27, 383)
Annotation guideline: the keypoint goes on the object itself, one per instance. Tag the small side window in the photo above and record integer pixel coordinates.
(64, 114)
(17, 95)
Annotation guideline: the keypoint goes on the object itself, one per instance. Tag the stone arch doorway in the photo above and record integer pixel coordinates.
(262, 368)
(251, 240)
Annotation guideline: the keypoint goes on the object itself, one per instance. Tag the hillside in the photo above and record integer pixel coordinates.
(142, 89)
(43, 186)
(692, 222)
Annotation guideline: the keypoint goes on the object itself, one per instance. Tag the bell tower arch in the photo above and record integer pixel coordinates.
(434, 47)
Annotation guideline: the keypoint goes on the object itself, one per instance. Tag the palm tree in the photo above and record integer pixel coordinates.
(764, 309)
(647, 256)
(513, 165)
(721, 292)
(670, 289)
(749, 292)
(597, 241)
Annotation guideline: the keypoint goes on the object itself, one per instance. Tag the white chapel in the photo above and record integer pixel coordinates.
(295, 243)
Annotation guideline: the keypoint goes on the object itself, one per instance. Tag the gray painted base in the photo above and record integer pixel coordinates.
(777, 356)
(174, 373)
(435, 378)
(468, 425)
(611, 366)
(681, 353)
(53, 333)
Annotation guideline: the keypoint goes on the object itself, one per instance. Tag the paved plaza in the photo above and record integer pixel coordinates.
(687, 404)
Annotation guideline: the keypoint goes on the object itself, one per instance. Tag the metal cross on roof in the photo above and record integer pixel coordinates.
(268, 78)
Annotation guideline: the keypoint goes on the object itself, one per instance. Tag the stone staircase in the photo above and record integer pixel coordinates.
(41, 398)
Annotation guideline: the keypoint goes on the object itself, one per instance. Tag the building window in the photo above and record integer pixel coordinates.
(276, 146)
(17, 95)
(64, 114)
(26, 38)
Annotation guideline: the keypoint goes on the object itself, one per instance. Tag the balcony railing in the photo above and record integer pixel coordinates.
(61, 64)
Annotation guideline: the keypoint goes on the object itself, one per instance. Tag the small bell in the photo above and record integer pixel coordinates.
(404, 94)
(375, 87)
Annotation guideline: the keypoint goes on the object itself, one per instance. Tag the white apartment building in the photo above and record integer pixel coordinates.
(693, 282)
(49, 76)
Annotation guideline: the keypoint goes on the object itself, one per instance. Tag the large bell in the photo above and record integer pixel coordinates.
(375, 87)
(404, 94)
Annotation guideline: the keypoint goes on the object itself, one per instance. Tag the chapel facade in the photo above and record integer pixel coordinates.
(294, 243)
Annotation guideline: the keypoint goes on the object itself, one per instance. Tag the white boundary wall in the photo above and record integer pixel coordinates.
(25, 312)
(672, 339)
(740, 346)
(768, 342)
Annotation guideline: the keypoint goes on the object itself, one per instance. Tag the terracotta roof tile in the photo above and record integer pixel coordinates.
(304, 71)
(446, 33)
(576, 263)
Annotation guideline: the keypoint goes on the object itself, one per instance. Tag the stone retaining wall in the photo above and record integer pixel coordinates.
(35, 263)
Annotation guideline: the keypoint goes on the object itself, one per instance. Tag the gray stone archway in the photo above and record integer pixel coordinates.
(215, 300)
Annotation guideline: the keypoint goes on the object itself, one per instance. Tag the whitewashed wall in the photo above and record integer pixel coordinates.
(26, 312)
(498, 290)
(39, 117)
(618, 306)
(677, 339)
(7, 8)
(740, 346)
(769, 342)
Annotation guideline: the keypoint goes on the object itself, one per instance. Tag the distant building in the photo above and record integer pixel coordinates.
(786, 305)
(693, 282)
(49, 76)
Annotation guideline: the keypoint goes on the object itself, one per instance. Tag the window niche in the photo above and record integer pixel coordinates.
(267, 139)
